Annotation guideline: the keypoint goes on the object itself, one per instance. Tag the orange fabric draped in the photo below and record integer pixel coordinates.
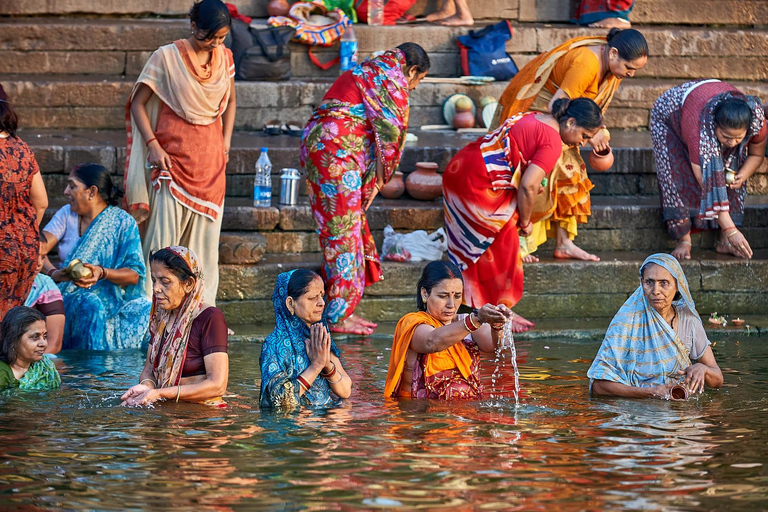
(455, 356)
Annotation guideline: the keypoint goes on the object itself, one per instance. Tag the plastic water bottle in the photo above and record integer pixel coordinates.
(348, 50)
(375, 12)
(262, 182)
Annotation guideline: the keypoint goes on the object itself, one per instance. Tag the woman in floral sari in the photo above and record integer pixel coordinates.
(436, 351)
(108, 310)
(589, 67)
(23, 363)
(700, 130)
(350, 148)
(300, 363)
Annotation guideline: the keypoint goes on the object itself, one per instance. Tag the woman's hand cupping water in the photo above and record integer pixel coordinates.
(138, 395)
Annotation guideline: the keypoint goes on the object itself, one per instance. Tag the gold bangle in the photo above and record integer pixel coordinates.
(178, 393)
(733, 233)
(473, 322)
(148, 379)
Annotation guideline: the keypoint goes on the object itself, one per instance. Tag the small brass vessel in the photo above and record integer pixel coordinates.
(76, 270)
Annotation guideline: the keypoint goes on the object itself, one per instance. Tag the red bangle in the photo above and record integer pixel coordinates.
(331, 373)
(150, 140)
(526, 226)
(303, 382)
(468, 325)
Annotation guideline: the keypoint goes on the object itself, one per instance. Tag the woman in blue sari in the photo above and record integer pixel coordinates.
(108, 310)
(653, 338)
(299, 361)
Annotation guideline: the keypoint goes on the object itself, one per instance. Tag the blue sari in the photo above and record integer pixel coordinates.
(284, 357)
(107, 316)
(640, 348)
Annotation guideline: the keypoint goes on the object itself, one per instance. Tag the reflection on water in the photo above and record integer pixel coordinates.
(559, 450)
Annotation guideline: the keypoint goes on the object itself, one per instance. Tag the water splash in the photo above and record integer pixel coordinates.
(507, 341)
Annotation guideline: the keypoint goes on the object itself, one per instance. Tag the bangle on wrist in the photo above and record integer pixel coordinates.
(468, 325)
(178, 392)
(151, 140)
(525, 226)
(474, 324)
(732, 233)
(52, 271)
(303, 383)
(330, 373)
(103, 274)
(142, 381)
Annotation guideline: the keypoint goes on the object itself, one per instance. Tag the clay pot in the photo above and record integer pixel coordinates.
(278, 8)
(678, 393)
(394, 188)
(425, 183)
(601, 161)
(463, 118)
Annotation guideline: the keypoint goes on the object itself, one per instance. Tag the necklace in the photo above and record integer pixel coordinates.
(674, 317)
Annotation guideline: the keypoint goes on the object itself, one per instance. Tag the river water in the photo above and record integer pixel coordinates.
(76, 448)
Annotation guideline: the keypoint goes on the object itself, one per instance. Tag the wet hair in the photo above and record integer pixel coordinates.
(432, 275)
(415, 56)
(173, 262)
(677, 296)
(733, 113)
(585, 111)
(96, 175)
(209, 16)
(630, 43)
(13, 327)
(299, 282)
(9, 120)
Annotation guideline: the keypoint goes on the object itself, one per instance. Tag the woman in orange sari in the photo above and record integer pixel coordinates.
(436, 352)
(589, 67)
(180, 118)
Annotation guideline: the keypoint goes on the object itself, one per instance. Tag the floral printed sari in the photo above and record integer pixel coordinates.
(340, 148)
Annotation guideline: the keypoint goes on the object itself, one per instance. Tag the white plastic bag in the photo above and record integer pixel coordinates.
(415, 246)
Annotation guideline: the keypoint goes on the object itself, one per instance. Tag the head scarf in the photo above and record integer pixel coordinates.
(167, 351)
(640, 348)
(284, 356)
(714, 193)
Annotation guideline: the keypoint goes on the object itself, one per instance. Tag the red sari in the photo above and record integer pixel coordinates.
(480, 189)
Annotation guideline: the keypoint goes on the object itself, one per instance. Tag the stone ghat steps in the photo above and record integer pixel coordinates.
(53, 46)
(721, 12)
(553, 288)
(98, 102)
(633, 172)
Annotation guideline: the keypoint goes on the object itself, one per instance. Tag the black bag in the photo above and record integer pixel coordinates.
(260, 54)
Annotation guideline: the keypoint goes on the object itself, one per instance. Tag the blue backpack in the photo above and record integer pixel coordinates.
(483, 52)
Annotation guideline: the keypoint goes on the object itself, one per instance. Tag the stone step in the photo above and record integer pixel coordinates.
(720, 12)
(58, 150)
(553, 288)
(98, 102)
(121, 47)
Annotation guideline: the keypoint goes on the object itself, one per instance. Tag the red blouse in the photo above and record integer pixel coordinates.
(207, 335)
(344, 89)
(538, 142)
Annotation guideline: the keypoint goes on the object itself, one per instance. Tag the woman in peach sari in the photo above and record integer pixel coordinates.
(180, 118)
(588, 67)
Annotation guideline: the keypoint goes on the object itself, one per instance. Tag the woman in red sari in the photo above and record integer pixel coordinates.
(23, 201)
(349, 149)
(483, 210)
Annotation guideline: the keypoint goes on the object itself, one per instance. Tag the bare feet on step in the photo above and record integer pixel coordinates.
(569, 250)
(530, 259)
(683, 250)
(458, 21)
(447, 10)
(520, 323)
(354, 325)
(612, 23)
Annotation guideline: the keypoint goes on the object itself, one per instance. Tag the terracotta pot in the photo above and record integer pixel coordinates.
(463, 118)
(394, 188)
(601, 161)
(678, 392)
(278, 8)
(425, 183)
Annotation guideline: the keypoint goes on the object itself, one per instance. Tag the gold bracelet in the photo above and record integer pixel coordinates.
(473, 322)
(733, 233)
(148, 379)
(178, 393)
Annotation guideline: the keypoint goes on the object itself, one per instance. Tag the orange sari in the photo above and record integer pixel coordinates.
(448, 374)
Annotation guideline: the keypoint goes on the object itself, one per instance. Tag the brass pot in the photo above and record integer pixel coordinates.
(77, 271)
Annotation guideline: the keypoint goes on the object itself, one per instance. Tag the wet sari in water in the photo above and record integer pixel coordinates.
(340, 147)
(450, 374)
(284, 357)
(107, 316)
(41, 375)
(640, 348)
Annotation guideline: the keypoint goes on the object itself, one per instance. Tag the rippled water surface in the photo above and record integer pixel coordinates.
(77, 448)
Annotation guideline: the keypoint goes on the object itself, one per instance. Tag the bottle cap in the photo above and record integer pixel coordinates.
(264, 150)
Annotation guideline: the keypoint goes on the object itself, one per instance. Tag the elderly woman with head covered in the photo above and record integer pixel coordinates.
(653, 338)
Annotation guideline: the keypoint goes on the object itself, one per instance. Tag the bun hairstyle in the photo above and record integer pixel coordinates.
(432, 274)
(415, 56)
(209, 16)
(13, 327)
(9, 120)
(630, 43)
(733, 113)
(585, 111)
(173, 262)
(95, 175)
(299, 282)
